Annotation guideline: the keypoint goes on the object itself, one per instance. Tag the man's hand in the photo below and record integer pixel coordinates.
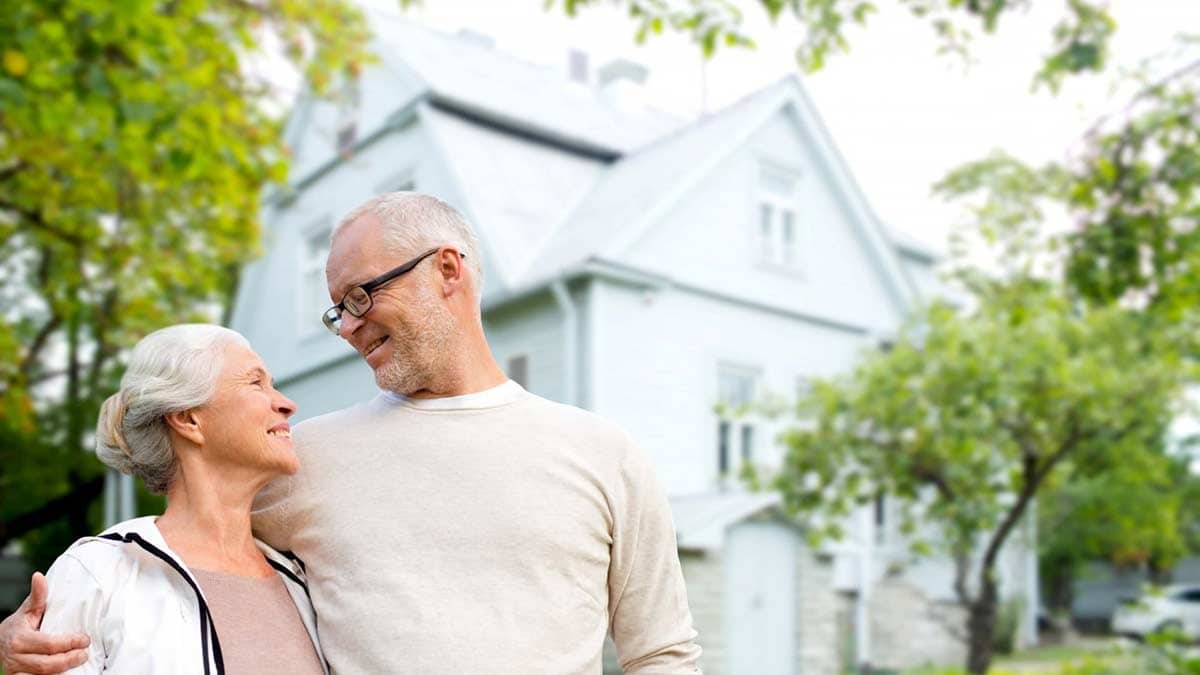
(24, 650)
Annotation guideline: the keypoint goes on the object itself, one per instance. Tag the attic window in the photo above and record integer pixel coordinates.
(349, 101)
(778, 228)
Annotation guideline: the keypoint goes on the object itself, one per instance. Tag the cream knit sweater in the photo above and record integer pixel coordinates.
(495, 532)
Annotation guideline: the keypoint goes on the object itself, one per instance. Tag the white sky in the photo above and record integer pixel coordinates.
(901, 115)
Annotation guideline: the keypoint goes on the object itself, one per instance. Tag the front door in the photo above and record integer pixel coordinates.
(760, 599)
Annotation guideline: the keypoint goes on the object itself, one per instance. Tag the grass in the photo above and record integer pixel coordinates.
(1044, 659)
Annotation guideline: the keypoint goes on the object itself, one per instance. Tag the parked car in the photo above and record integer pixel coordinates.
(1168, 608)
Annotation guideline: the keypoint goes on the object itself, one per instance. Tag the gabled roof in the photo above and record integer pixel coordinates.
(534, 153)
(515, 190)
(701, 520)
(479, 80)
(642, 188)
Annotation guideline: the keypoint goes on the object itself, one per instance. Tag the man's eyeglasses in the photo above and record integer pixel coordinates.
(357, 301)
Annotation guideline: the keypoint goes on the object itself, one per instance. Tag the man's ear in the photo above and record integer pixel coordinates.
(187, 425)
(453, 271)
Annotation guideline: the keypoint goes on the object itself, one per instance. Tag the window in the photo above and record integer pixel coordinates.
(747, 443)
(880, 518)
(779, 236)
(518, 370)
(737, 389)
(314, 297)
(349, 100)
(723, 428)
(736, 386)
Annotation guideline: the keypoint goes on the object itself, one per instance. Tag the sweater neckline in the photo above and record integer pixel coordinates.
(501, 394)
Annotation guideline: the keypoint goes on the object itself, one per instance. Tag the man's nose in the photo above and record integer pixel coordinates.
(348, 325)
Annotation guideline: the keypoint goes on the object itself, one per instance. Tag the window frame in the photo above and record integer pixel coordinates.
(772, 208)
(309, 322)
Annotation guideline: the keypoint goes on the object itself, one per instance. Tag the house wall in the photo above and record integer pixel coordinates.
(711, 237)
(908, 630)
(271, 308)
(817, 631)
(312, 128)
(655, 360)
(533, 327)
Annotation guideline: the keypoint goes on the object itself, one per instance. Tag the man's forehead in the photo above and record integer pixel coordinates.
(354, 250)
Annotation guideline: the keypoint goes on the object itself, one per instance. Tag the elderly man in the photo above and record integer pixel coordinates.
(455, 523)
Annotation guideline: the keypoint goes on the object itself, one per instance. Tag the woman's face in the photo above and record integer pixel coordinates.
(245, 425)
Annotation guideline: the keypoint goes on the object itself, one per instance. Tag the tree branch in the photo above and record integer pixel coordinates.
(52, 510)
(38, 344)
(36, 220)
(11, 170)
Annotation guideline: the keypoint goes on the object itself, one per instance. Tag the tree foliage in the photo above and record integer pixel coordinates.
(971, 414)
(1078, 42)
(1127, 194)
(135, 140)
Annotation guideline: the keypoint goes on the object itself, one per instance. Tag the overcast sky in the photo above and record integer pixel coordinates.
(901, 115)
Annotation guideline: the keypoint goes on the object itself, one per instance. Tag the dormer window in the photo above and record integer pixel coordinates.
(778, 231)
(349, 100)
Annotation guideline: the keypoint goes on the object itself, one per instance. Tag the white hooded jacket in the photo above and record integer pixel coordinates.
(141, 606)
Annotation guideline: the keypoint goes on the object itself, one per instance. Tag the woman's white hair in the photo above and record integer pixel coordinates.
(170, 370)
(413, 222)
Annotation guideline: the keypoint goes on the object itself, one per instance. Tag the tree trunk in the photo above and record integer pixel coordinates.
(981, 625)
(78, 500)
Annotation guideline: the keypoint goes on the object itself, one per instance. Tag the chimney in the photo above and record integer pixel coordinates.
(619, 70)
(577, 66)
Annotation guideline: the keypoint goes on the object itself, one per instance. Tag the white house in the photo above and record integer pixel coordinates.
(645, 268)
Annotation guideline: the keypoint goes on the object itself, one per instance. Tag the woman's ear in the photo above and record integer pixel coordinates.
(187, 425)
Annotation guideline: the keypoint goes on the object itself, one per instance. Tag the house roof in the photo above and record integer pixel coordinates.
(632, 188)
(555, 174)
(515, 190)
(701, 520)
(639, 190)
(477, 79)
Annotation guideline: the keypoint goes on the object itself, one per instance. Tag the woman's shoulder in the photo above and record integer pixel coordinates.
(106, 554)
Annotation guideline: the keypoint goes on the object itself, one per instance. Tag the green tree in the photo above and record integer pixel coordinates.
(1078, 42)
(135, 142)
(971, 414)
(1128, 196)
(1131, 516)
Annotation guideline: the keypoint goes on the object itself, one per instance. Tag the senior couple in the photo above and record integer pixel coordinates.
(453, 524)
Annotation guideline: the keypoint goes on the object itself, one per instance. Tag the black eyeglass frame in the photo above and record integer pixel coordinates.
(333, 315)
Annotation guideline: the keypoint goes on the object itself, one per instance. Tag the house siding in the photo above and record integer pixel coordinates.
(656, 359)
(533, 327)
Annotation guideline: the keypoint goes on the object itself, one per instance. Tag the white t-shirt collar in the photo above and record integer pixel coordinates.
(498, 395)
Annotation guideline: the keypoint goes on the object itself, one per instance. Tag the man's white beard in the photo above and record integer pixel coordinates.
(418, 354)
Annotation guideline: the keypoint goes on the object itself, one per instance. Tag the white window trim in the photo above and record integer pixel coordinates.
(761, 196)
(308, 321)
(737, 423)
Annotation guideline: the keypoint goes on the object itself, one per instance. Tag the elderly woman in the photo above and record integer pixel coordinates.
(191, 591)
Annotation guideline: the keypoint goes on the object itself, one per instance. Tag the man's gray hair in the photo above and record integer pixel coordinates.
(414, 222)
(170, 370)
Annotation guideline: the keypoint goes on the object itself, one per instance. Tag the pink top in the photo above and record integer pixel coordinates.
(259, 626)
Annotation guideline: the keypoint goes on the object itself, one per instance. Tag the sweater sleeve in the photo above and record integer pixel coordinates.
(269, 516)
(648, 609)
(76, 604)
